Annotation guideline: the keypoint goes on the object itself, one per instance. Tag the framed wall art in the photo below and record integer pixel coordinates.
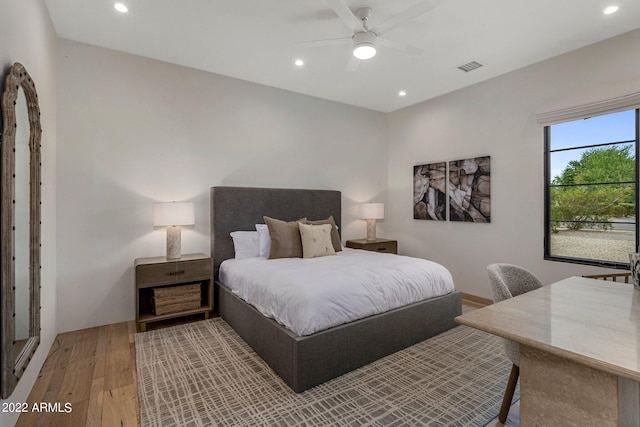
(470, 190)
(429, 191)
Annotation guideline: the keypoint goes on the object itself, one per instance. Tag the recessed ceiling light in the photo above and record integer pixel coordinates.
(299, 62)
(610, 9)
(402, 93)
(120, 7)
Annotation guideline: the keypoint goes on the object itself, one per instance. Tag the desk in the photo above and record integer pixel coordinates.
(579, 351)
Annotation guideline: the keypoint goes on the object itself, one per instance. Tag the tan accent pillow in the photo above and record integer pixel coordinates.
(285, 238)
(316, 240)
(335, 236)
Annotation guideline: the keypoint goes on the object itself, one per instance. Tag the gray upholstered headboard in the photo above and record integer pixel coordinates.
(240, 208)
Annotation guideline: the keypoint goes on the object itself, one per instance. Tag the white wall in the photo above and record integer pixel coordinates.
(27, 36)
(497, 118)
(133, 131)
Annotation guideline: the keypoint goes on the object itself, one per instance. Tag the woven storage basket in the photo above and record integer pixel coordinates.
(173, 299)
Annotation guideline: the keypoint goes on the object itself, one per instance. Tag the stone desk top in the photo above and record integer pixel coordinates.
(593, 322)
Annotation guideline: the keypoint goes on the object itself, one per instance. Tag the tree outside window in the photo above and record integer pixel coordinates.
(591, 191)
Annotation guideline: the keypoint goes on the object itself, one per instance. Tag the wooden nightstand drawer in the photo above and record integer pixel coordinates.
(386, 247)
(379, 245)
(172, 272)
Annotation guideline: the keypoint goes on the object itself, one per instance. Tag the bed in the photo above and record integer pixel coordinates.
(306, 361)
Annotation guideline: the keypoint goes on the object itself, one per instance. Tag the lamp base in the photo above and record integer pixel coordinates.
(371, 230)
(174, 242)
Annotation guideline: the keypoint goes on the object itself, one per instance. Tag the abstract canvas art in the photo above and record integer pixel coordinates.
(470, 190)
(429, 191)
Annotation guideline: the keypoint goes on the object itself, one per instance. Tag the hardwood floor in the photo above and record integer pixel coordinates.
(95, 370)
(513, 420)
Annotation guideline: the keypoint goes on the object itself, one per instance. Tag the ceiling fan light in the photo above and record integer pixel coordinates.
(364, 51)
(364, 44)
(121, 7)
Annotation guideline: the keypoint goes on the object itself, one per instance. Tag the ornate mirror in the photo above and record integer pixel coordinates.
(19, 227)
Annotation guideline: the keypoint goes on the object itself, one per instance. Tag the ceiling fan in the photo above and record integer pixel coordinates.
(365, 40)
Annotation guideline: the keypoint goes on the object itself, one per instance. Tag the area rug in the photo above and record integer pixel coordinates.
(203, 374)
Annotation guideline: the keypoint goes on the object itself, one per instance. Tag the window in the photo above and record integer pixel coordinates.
(591, 176)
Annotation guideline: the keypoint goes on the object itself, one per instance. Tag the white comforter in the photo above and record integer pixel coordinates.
(310, 295)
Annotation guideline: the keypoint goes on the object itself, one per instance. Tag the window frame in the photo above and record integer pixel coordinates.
(547, 198)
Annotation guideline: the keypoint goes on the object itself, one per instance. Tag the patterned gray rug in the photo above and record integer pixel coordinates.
(203, 374)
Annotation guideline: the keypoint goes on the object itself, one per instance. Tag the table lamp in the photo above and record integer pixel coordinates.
(173, 215)
(371, 212)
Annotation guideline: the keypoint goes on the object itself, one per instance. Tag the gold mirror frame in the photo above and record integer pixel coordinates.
(13, 361)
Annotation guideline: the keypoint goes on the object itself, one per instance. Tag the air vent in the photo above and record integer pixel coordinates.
(470, 66)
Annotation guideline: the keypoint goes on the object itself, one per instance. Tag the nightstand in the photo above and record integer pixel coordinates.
(181, 287)
(378, 245)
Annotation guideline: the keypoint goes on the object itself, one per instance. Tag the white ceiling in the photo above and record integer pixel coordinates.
(256, 40)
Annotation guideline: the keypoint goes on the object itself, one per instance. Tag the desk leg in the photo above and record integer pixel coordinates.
(629, 402)
(557, 391)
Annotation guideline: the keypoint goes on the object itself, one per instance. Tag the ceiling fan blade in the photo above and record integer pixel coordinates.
(342, 10)
(406, 15)
(402, 47)
(326, 42)
(353, 64)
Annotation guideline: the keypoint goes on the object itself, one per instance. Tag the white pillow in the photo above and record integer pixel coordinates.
(316, 240)
(264, 240)
(245, 244)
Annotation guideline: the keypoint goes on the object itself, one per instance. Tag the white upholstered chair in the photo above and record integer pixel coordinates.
(508, 281)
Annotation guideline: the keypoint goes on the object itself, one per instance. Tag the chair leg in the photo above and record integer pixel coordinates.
(508, 393)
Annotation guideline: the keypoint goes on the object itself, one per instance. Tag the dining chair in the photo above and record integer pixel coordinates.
(508, 281)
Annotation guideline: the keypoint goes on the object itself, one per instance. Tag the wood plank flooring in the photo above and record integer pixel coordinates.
(95, 370)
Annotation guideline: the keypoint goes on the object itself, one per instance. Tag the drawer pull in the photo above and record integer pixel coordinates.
(381, 249)
(175, 273)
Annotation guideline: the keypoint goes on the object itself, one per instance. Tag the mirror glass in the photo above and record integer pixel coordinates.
(20, 182)
(21, 221)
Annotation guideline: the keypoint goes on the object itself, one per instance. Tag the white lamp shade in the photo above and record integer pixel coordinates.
(167, 214)
(372, 211)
